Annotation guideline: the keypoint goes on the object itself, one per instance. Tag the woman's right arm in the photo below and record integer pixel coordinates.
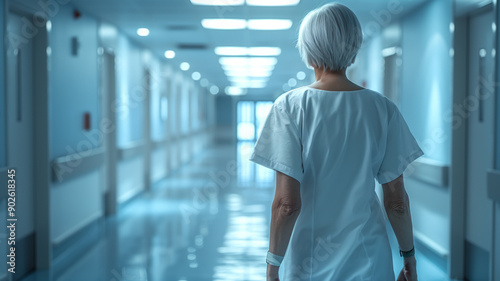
(397, 207)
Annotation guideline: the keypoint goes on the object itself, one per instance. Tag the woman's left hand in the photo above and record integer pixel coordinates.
(272, 273)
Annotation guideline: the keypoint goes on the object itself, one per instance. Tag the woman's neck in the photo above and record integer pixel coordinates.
(333, 81)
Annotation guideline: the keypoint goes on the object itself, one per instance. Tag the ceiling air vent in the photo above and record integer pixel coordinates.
(181, 27)
(190, 46)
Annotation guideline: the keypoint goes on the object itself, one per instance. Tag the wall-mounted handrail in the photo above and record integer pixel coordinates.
(77, 164)
(131, 150)
(160, 143)
(429, 171)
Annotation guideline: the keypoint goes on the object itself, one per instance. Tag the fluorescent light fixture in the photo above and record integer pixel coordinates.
(248, 68)
(234, 61)
(286, 87)
(142, 31)
(272, 2)
(235, 91)
(244, 61)
(262, 61)
(214, 90)
(301, 75)
(264, 51)
(452, 27)
(218, 2)
(247, 80)
(169, 54)
(250, 84)
(185, 66)
(196, 76)
(269, 24)
(231, 51)
(243, 51)
(245, 73)
(204, 82)
(245, 83)
(224, 23)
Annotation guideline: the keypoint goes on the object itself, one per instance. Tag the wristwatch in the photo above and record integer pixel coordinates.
(407, 254)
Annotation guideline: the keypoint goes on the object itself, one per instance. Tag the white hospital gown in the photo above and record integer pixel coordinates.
(336, 144)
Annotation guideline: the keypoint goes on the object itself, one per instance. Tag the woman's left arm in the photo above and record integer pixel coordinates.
(285, 210)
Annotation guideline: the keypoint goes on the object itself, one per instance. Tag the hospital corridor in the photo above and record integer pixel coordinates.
(242, 140)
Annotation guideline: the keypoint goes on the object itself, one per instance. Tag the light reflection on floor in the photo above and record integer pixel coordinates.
(208, 221)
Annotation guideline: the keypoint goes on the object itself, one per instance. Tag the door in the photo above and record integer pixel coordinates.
(392, 65)
(108, 96)
(479, 107)
(147, 86)
(20, 125)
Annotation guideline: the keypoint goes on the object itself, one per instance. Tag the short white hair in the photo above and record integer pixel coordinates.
(330, 37)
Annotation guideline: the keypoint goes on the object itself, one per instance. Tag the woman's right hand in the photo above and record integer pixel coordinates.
(409, 271)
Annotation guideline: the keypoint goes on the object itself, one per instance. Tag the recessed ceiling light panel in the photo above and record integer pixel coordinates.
(235, 91)
(250, 84)
(143, 31)
(214, 90)
(264, 51)
(218, 2)
(243, 51)
(196, 76)
(269, 24)
(247, 73)
(249, 68)
(185, 66)
(231, 51)
(224, 23)
(245, 61)
(170, 54)
(301, 75)
(272, 2)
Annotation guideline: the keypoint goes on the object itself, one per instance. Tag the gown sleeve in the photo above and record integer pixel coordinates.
(279, 145)
(401, 149)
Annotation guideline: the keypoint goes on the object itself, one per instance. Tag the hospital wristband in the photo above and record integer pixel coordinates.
(407, 254)
(273, 259)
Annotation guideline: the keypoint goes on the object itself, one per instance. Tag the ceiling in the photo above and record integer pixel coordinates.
(178, 22)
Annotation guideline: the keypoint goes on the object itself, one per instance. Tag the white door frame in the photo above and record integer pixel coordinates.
(147, 87)
(108, 113)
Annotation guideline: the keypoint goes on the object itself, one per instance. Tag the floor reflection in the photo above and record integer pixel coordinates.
(208, 221)
(205, 222)
(249, 173)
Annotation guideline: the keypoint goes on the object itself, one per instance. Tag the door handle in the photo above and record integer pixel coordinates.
(482, 56)
(17, 54)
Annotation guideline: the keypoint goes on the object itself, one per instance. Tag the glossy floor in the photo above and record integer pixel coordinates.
(208, 221)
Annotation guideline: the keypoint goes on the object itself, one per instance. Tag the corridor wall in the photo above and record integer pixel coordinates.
(159, 117)
(77, 200)
(73, 84)
(131, 96)
(426, 96)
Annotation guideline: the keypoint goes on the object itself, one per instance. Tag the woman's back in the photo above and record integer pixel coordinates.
(334, 143)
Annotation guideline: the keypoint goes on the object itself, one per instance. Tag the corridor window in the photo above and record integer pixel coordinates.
(262, 109)
(246, 121)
